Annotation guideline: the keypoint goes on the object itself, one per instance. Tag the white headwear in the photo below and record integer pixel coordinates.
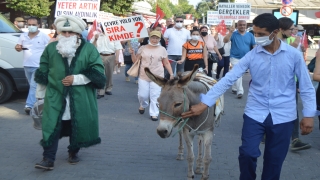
(70, 23)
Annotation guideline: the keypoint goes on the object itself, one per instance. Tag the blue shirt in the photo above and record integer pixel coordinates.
(85, 34)
(273, 86)
(241, 44)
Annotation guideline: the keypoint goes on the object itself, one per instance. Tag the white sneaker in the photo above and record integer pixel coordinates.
(118, 71)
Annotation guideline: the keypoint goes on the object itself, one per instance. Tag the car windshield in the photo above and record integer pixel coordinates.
(6, 26)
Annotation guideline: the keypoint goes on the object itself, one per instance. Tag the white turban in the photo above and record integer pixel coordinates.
(70, 23)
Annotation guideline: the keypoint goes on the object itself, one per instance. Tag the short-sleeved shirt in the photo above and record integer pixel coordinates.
(176, 39)
(241, 44)
(210, 42)
(152, 57)
(36, 45)
(134, 44)
(194, 52)
(106, 47)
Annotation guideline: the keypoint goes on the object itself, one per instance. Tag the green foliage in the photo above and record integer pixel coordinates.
(165, 5)
(38, 8)
(117, 7)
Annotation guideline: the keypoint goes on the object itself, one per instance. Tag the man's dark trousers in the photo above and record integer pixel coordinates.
(276, 147)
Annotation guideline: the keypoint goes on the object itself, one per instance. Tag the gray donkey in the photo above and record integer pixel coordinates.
(176, 97)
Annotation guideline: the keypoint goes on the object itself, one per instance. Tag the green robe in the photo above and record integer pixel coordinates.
(83, 103)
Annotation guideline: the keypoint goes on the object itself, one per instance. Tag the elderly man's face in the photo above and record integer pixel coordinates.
(242, 26)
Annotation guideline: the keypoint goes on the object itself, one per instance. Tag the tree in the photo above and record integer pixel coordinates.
(38, 8)
(165, 5)
(117, 7)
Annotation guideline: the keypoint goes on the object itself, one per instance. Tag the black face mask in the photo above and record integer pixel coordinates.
(284, 36)
(204, 33)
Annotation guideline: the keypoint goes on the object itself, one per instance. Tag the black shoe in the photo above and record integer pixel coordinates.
(141, 111)
(154, 118)
(45, 164)
(27, 110)
(234, 92)
(73, 158)
(297, 145)
(100, 96)
(108, 93)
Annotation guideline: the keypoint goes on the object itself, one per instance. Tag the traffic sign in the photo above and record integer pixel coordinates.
(286, 10)
(286, 2)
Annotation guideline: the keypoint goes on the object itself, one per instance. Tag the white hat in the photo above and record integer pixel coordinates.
(300, 28)
(70, 23)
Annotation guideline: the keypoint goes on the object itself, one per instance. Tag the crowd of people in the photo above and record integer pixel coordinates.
(70, 72)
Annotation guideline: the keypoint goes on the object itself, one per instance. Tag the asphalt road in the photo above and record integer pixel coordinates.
(130, 147)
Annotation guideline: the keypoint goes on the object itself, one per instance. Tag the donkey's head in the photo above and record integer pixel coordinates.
(172, 101)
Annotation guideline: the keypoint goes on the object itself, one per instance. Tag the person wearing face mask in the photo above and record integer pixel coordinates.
(19, 22)
(286, 27)
(155, 57)
(176, 37)
(270, 107)
(70, 71)
(32, 44)
(194, 52)
(157, 28)
(211, 45)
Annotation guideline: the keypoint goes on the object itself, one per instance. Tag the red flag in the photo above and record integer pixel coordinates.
(222, 28)
(160, 15)
(92, 30)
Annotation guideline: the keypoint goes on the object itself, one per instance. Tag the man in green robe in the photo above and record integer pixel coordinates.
(70, 72)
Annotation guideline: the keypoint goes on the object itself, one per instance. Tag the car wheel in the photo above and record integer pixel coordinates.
(5, 88)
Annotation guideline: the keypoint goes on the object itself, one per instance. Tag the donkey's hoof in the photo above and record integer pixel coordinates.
(180, 157)
(199, 170)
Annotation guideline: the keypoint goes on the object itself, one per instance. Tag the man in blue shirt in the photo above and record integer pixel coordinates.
(271, 103)
(241, 43)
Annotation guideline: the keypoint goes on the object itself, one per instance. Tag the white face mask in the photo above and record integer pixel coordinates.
(20, 24)
(264, 41)
(53, 31)
(195, 37)
(33, 29)
(154, 44)
(179, 25)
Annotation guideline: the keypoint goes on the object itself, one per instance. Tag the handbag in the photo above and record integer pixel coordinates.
(36, 114)
(212, 57)
(221, 50)
(312, 64)
(134, 70)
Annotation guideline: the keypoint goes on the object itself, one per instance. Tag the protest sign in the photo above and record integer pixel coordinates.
(234, 11)
(212, 18)
(85, 9)
(104, 16)
(125, 29)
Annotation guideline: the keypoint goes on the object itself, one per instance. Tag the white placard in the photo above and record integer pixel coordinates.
(125, 29)
(234, 11)
(212, 18)
(85, 9)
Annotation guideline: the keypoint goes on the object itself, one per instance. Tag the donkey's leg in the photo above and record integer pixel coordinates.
(180, 148)
(199, 167)
(188, 137)
(207, 140)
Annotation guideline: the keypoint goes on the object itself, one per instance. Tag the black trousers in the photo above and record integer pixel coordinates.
(66, 130)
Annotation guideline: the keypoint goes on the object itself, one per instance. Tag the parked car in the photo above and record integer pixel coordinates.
(12, 76)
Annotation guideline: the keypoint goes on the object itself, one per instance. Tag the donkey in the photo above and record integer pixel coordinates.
(176, 97)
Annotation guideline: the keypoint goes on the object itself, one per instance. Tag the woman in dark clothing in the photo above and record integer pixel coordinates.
(157, 28)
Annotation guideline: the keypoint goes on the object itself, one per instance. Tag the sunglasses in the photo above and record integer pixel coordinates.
(179, 21)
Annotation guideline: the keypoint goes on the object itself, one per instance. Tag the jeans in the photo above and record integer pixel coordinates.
(29, 72)
(128, 66)
(50, 152)
(275, 151)
(179, 67)
(224, 63)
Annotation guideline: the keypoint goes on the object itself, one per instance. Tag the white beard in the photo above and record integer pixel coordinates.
(67, 46)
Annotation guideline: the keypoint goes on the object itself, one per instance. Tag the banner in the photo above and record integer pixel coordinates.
(212, 18)
(234, 11)
(104, 16)
(85, 9)
(125, 29)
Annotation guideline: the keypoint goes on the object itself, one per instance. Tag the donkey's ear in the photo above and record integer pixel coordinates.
(156, 79)
(186, 79)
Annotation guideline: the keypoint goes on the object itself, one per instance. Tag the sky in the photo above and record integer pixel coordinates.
(194, 2)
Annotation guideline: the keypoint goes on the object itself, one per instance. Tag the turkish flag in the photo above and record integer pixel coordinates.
(222, 28)
(160, 15)
(92, 30)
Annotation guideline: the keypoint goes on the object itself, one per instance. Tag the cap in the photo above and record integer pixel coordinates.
(300, 28)
(155, 33)
(19, 19)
